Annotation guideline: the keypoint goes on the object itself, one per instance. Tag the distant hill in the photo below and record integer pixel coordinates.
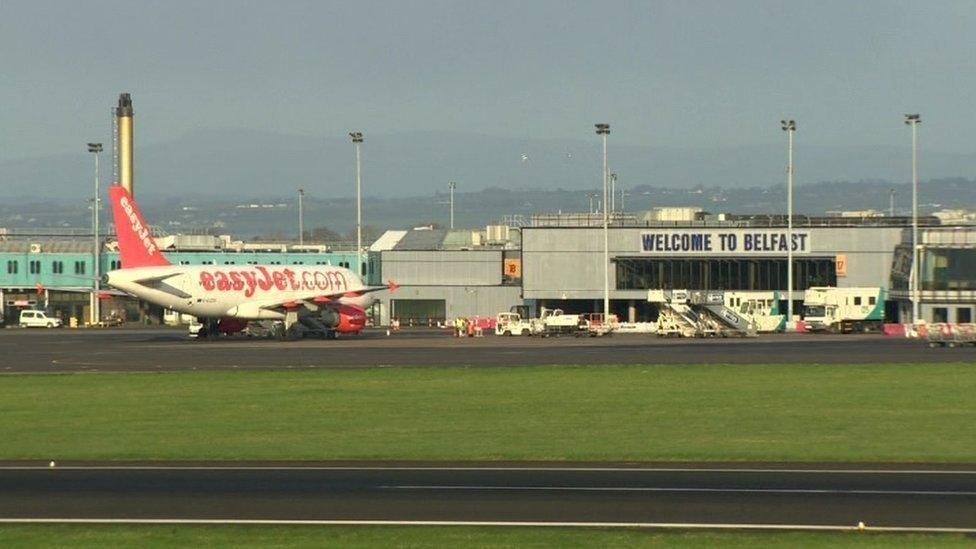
(247, 216)
(249, 163)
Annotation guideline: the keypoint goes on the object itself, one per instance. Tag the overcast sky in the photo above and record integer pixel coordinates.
(683, 73)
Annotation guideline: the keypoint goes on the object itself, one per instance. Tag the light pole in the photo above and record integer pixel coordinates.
(452, 185)
(591, 196)
(789, 126)
(301, 217)
(604, 130)
(914, 120)
(357, 138)
(96, 315)
(891, 203)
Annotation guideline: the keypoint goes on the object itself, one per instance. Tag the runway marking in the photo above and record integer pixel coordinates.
(488, 468)
(339, 522)
(828, 491)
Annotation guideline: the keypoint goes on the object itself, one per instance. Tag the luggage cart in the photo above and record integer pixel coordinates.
(944, 334)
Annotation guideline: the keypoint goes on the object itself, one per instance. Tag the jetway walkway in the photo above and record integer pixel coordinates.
(686, 313)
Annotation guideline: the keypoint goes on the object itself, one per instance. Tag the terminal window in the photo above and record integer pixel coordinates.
(964, 315)
(11, 267)
(640, 273)
(948, 269)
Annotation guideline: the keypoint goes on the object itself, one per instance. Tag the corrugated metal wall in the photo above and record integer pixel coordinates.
(443, 268)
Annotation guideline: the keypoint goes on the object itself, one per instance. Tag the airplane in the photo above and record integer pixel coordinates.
(329, 300)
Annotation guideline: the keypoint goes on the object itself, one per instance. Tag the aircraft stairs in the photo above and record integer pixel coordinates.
(724, 321)
(698, 314)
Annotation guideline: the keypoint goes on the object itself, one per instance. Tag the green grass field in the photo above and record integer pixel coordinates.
(16, 536)
(887, 412)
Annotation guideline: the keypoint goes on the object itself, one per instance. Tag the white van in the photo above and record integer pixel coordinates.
(38, 319)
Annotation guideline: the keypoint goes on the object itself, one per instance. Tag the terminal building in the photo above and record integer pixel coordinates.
(557, 261)
(562, 265)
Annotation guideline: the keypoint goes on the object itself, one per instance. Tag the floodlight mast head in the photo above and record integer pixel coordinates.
(94, 147)
(913, 119)
(602, 129)
(357, 137)
(788, 125)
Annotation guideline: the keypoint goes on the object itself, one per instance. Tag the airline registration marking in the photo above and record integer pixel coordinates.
(260, 278)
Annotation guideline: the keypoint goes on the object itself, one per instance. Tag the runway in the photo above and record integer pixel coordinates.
(170, 349)
(693, 496)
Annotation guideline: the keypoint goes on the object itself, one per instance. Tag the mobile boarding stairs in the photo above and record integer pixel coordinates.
(696, 313)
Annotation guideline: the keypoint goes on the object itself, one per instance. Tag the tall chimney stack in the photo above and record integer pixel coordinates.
(123, 115)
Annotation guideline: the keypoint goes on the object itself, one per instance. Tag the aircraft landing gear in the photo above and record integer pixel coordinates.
(209, 329)
(290, 329)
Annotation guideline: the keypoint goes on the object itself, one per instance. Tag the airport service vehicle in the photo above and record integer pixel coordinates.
(225, 298)
(761, 307)
(558, 322)
(32, 318)
(509, 324)
(594, 325)
(843, 310)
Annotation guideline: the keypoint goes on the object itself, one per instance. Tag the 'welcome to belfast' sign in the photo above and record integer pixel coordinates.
(748, 242)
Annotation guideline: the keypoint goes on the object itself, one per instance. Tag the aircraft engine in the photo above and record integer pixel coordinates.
(345, 319)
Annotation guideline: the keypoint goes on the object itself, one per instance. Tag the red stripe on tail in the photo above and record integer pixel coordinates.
(137, 248)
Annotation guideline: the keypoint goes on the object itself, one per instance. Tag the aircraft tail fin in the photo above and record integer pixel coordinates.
(137, 248)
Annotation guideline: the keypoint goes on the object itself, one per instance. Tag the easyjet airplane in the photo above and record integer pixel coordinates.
(224, 298)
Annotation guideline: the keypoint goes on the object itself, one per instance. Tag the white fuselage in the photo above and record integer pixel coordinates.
(249, 292)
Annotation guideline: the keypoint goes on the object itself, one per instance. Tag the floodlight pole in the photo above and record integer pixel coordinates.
(604, 130)
(357, 138)
(789, 126)
(914, 120)
(95, 313)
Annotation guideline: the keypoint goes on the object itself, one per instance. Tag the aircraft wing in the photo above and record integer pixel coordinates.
(318, 298)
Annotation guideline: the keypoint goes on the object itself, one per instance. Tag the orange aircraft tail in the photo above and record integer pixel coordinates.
(137, 248)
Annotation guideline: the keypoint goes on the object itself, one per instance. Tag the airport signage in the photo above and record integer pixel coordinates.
(739, 242)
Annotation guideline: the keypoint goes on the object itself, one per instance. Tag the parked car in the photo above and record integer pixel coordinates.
(38, 319)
